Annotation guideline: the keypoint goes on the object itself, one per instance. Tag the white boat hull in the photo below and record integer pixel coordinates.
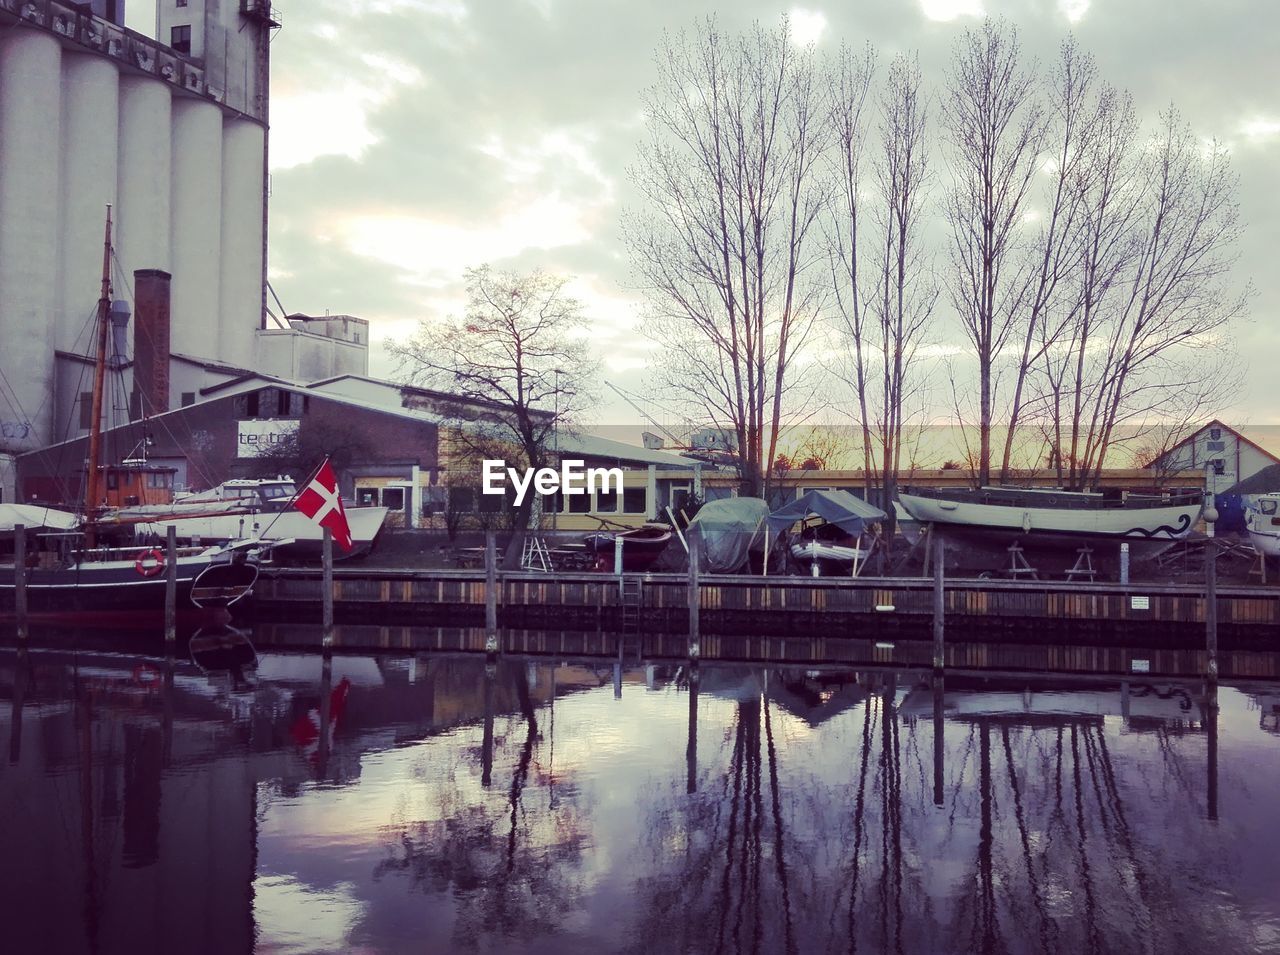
(1168, 523)
(289, 525)
(815, 550)
(1264, 528)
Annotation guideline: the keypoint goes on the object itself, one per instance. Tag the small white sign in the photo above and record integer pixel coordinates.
(255, 438)
(1140, 603)
(1140, 666)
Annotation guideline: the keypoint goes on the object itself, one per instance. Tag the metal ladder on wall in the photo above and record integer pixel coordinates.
(631, 594)
(535, 556)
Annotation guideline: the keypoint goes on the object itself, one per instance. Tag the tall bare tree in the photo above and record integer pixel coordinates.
(995, 126)
(850, 83)
(907, 291)
(1078, 114)
(725, 242)
(1148, 342)
(519, 357)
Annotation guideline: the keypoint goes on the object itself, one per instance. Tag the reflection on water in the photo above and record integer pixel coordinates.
(227, 800)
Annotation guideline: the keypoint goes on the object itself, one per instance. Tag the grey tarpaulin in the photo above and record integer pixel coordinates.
(841, 508)
(729, 528)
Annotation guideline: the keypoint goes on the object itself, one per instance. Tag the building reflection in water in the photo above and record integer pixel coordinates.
(303, 802)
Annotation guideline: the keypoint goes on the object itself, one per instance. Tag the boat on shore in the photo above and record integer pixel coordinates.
(641, 546)
(1054, 518)
(249, 508)
(1262, 520)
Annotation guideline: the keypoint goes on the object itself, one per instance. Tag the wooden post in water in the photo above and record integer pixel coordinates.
(326, 625)
(171, 584)
(695, 599)
(326, 710)
(691, 748)
(939, 547)
(1211, 608)
(617, 556)
(1211, 717)
(20, 579)
(490, 592)
(939, 698)
(486, 739)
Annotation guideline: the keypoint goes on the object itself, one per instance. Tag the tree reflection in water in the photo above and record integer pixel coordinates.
(515, 871)
(1031, 849)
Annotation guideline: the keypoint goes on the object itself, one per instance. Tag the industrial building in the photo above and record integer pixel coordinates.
(172, 134)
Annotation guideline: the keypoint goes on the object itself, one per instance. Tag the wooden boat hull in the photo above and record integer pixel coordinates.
(1167, 523)
(640, 548)
(203, 581)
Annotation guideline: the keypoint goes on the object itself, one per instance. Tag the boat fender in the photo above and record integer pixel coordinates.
(149, 562)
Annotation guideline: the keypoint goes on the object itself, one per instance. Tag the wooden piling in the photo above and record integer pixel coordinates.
(490, 592)
(939, 546)
(486, 738)
(617, 556)
(326, 627)
(20, 579)
(1211, 758)
(171, 584)
(1211, 607)
(695, 599)
(326, 709)
(939, 698)
(691, 747)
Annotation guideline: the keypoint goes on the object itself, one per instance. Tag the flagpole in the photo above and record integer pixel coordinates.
(298, 489)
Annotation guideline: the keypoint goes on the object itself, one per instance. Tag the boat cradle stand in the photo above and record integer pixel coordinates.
(1083, 567)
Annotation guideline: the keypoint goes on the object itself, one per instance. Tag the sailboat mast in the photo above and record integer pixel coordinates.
(93, 493)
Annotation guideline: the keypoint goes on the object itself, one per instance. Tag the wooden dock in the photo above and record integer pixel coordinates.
(659, 603)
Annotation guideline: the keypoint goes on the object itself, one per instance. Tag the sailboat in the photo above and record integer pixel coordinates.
(69, 571)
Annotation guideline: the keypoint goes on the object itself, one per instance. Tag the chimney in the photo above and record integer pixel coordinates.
(151, 340)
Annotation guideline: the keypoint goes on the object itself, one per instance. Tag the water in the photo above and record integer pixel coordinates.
(526, 806)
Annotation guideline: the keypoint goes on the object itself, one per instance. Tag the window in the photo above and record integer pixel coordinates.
(490, 503)
(251, 404)
(113, 480)
(553, 503)
(579, 503)
(393, 498)
(1219, 466)
(86, 409)
(462, 500)
(1268, 507)
(180, 39)
(680, 495)
(635, 500)
(366, 496)
(182, 3)
(1216, 446)
(606, 502)
(188, 398)
(160, 479)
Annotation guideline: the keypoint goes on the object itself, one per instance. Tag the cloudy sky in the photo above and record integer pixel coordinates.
(413, 138)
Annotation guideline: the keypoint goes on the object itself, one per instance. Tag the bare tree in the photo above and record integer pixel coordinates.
(994, 127)
(725, 242)
(850, 83)
(885, 295)
(1077, 117)
(520, 360)
(1147, 343)
(907, 290)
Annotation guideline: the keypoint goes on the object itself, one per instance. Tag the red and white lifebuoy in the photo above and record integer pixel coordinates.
(149, 562)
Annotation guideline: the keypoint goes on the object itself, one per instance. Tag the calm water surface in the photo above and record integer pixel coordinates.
(435, 804)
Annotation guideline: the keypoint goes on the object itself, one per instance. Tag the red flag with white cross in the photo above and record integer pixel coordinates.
(321, 502)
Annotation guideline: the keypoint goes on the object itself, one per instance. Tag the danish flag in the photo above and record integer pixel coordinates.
(321, 502)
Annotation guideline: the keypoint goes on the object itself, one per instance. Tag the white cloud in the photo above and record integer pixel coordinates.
(310, 122)
(807, 26)
(1260, 129)
(1074, 10)
(945, 10)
